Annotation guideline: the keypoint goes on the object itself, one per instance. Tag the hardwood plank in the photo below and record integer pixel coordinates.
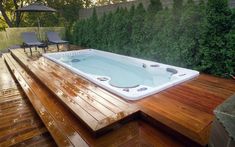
(19, 111)
(26, 136)
(186, 108)
(112, 99)
(16, 122)
(15, 118)
(199, 101)
(41, 110)
(65, 126)
(8, 93)
(92, 100)
(146, 138)
(217, 82)
(185, 115)
(185, 123)
(13, 104)
(191, 97)
(78, 108)
(19, 121)
(86, 102)
(87, 86)
(121, 136)
(6, 99)
(62, 73)
(43, 140)
(5, 134)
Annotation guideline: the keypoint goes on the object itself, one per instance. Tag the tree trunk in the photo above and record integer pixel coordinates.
(3, 11)
(17, 22)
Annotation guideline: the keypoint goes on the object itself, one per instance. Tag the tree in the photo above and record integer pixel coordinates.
(215, 50)
(137, 36)
(230, 53)
(190, 26)
(199, 36)
(68, 9)
(67, 12)
(177, 7)
(162, 43)
(93, 29)
(154, 6)
(8, 7)
(121, 36)
(3, 24)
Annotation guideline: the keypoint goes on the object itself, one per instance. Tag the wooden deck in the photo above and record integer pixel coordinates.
(185, 109)
(188, 107)
(67, 130)
(19, 125)
(95, 107)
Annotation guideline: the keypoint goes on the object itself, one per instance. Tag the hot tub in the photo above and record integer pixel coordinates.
(128, 77)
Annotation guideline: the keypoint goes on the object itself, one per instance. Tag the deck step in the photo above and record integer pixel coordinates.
(19, 123)
(98, 109)
(53, 114)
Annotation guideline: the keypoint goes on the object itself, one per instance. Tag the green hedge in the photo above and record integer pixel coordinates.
(197, 36)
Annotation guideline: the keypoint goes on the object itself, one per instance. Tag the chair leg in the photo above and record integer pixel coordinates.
(30, 51)
(47, 46)
(57, 47)
(69, 46)
(24, 46)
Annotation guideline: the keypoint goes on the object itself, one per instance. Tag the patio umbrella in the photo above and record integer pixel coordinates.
(36, 7)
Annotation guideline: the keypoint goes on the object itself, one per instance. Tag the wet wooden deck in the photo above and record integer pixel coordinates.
(19, 123)
(67, 130)
(185, 109)
(94, 106)
(188, 107)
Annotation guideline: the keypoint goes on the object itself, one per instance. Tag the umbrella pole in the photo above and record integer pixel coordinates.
(39, 34)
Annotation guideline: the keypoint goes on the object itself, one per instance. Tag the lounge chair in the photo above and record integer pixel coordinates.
(30, 40)
(54, 38)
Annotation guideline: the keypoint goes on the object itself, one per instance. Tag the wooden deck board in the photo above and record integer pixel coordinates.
(58, 129)
(80, 83)
(186, 108)
(136, 133)
(89, 88)
(94, 110)
(19, 122)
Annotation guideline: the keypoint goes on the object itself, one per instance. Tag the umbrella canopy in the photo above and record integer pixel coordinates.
(36, 7)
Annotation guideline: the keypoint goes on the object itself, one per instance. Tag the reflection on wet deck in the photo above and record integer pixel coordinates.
(66, 129)
(19, 123)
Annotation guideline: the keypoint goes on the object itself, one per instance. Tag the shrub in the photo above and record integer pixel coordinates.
(216, 43)
(198, 36)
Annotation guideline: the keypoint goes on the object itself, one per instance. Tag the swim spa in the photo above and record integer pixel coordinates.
(128, 77)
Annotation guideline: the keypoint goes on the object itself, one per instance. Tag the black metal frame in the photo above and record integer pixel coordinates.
(43, 46)
(57, 44)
